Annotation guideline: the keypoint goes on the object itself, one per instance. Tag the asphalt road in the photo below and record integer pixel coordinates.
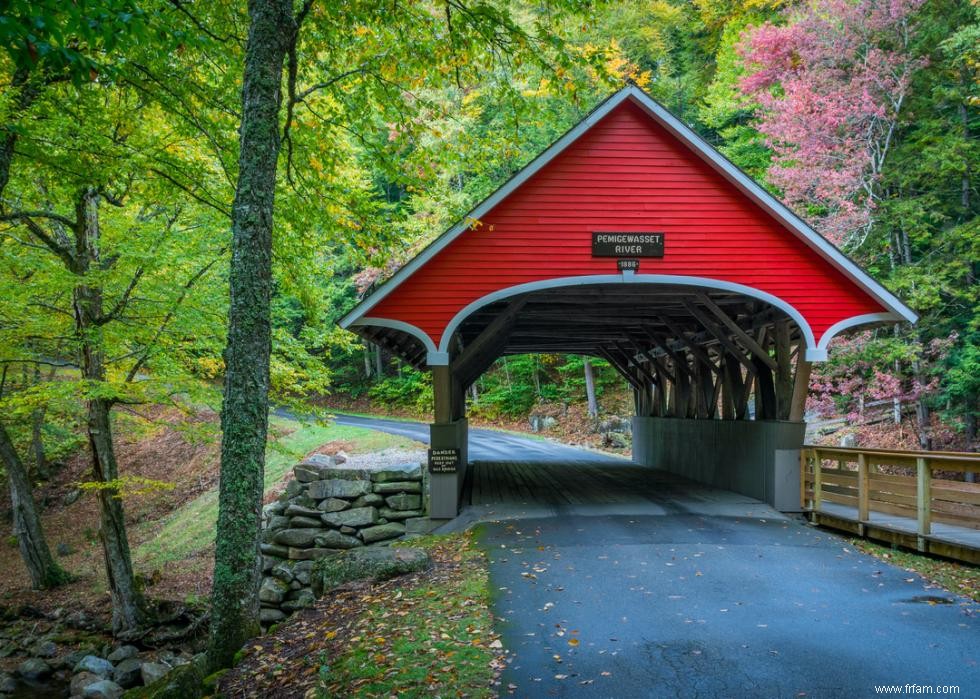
(485, 445)
(693, 592)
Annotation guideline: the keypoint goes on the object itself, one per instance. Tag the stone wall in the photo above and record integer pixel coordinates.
(329, 508)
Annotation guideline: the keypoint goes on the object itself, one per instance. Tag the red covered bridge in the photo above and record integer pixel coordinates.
(632, 239)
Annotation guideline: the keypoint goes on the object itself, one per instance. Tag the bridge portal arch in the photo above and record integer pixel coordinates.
(632, 239)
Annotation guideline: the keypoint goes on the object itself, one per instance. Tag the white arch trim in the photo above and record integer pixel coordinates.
(852, 322)
(813, 352)
(433, 355)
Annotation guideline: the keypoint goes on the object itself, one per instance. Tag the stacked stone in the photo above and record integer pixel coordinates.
(328, 508)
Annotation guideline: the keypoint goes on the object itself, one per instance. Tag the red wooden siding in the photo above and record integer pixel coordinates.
(627, 173)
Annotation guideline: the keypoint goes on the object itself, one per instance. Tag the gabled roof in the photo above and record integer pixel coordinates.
(898, 310)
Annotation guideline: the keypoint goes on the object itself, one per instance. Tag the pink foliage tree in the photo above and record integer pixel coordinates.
(831, 83)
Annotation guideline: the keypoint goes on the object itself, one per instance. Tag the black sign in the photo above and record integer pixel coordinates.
(628, 265)
(627, 245)
(443, 460)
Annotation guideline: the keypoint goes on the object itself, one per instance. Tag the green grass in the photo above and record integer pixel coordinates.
(958, 578)
(429, 640)
(191, 528)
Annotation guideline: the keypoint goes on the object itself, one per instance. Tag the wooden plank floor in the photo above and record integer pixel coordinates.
(943, 535)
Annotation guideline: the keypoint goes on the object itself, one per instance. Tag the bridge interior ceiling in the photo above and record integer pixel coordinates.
(685, 351)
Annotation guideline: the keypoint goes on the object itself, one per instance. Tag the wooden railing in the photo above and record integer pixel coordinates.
(918, 485)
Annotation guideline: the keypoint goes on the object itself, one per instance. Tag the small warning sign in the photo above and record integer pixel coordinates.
(443, 460)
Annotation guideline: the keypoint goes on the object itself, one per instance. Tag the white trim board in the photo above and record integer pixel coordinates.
(815, 351)
(706, 152)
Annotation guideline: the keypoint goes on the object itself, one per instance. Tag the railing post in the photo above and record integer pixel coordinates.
(862, 488)
(816, 480)
(924, 497)
(804, 455)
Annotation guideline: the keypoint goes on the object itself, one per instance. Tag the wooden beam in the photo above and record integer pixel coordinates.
(747, 341)
(679, 363)
(694, 348)
(472, 360)
(784, 371)
(801, 386)
(721, 336)
(619, 367)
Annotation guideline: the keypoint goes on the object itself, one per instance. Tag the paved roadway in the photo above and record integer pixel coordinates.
(687, 591)
(485, 445)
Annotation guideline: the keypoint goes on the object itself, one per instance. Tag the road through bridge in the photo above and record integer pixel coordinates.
(616, 580)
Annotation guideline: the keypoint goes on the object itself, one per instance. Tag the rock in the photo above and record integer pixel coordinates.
(349, 474)
(8, 685)
(369, 499)
(72, 659)
(389, 514)
(283, 572)
(300, 599)
(617, 440)
(356, 517)
(128, 672)
(274, 550)
(293, 489)
(336, 504)
(312, 554)
(122, 653)
(305, 523)
(302, 572)
(366, 564)
(420, 525)
(300, 511)
(338, 488)
(179, 682)
(82, 680)
(404, 501)
(273, 509)
(849, 440)
(309, 470)
(272, 591)
(103, 689)
(277, 522)
(64, 549)
(336, 540)
(382, 532)
(34, 669)
(296, 538)
(78, 620)
(71, 497)
(95, 665)
(402, 472)
(268, 563)
(270, 616)
(351, 531)
(398, 487)
(151, 672)
(44, 649)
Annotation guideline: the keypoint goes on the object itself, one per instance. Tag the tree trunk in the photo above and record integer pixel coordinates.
(26, 94)
(129, 611)
(367, 359)
(590, 387)
(44, 571)
(41, 466)
(379, 370)
(245, 411)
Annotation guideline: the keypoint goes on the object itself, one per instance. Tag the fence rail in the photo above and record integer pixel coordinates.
(913, 498)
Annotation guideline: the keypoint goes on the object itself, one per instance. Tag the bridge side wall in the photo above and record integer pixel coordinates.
(755, 458)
